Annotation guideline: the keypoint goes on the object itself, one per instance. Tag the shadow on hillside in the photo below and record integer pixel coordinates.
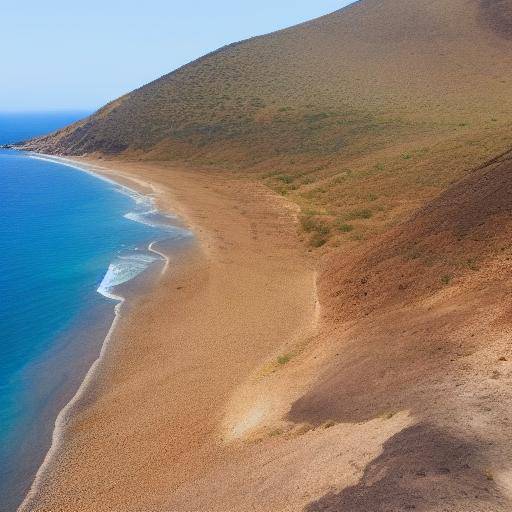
(421, 468)
(388, 364)
(411, 345)
(414, 323)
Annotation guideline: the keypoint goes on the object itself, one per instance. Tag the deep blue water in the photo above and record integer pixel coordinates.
(64, 235)
(19, 126)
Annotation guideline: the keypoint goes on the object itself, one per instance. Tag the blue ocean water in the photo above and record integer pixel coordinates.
(66, 239)
(20, 126)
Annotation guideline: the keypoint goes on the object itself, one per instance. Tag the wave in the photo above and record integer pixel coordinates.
(139, 198)
(155, 219)
(124, 269)
(127, 267)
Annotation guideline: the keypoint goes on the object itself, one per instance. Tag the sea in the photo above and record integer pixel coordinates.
(68, 240)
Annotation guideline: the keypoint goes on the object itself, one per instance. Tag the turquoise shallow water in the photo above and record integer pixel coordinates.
(66, 239)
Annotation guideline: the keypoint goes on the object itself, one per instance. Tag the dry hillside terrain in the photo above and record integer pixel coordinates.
(365, 112)
(389, 124)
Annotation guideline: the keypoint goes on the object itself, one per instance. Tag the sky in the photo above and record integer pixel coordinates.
(69, 55)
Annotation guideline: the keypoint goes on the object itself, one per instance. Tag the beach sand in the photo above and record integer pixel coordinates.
(177, 391)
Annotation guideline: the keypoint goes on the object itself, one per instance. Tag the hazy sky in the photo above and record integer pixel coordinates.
(64, 54)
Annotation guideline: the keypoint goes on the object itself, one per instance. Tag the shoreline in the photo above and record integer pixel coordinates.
(240, 257)
(64, 414)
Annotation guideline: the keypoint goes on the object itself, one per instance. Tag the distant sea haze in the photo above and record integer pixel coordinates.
(65, 235)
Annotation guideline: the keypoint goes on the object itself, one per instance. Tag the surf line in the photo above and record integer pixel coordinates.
(162, 255)
(65, 415)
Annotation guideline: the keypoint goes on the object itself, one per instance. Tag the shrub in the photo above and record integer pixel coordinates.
(346, 228)
(310, 224)
(364, 213)
(446, 279)
(318, 239)
(283, 359)
(285, 178)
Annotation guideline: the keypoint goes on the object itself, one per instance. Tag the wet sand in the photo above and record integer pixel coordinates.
(163, 406)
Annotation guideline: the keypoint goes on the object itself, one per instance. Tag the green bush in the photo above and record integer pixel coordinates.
(364, 213)
(310, 224)
(285, 178)
(284, 359)
(346, 228)
(318, 239)
(446, 279)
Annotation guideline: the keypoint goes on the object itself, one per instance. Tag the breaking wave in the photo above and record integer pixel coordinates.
(123, 269)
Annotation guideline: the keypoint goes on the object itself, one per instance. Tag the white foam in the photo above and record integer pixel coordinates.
(140, 199)
(154, 219)
(122, 270)
(117, 273)
(142, 218)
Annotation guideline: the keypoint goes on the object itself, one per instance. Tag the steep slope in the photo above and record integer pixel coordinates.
(397, 59)
(373, 67)
(422, 321)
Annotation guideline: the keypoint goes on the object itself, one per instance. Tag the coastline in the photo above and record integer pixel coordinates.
(67, 410)
(197, 271)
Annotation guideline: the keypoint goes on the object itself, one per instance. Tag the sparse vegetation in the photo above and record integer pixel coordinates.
(446, 279)
(366, 139)
(285, 178)
(312, 224)
(345, 228)
(363, 213)
(318, 240)
(319, 230)
(283, 359)
(339, 149)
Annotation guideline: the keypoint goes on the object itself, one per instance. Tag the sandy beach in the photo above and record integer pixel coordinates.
(179, 384)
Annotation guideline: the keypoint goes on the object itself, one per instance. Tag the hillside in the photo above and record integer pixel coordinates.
(422, 319)
(368, 111)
